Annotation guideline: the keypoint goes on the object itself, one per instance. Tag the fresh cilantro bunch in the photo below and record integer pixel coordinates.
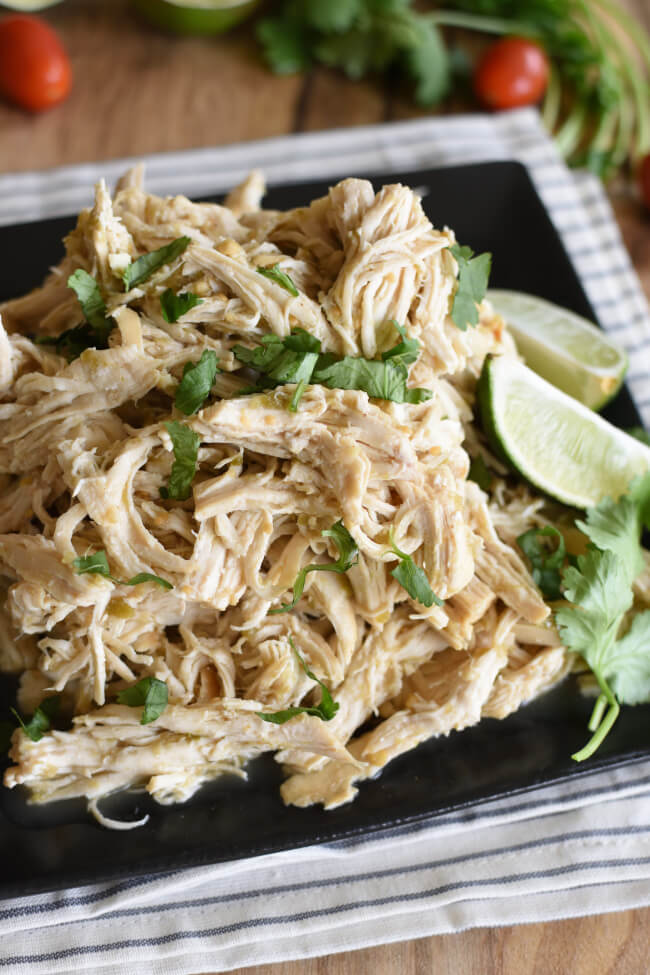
(359, 37)
(599, 593)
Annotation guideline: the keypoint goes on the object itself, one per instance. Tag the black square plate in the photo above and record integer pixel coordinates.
(491, 206)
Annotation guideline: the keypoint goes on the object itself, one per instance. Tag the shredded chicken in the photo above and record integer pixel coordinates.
(86, 456)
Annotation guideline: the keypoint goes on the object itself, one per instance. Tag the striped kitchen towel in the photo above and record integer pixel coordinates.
(559, 851)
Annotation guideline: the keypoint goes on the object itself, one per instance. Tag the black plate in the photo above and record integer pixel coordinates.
(492, 207)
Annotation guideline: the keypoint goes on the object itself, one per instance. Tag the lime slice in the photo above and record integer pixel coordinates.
(556, 443)
(196, 16)
(563, 347)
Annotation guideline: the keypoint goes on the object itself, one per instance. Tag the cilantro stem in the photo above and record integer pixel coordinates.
(603, 728)
(597, 713)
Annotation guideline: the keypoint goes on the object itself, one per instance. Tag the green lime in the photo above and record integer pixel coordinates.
(196, 16)
(560, 446)
(28, 6)
(563, 347)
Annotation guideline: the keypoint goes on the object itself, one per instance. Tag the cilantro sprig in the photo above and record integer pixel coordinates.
(546, 558)
(325, 709)
(413, 578)
(150, 694)
(41, 720)
(93, 333)
(473, 275)
(348, 556)
(599, 592)
(186, 454)
(97, 564)
(194, 388)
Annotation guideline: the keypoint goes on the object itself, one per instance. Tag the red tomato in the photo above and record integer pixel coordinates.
(644, 180)
(34, 68)
(512, 72)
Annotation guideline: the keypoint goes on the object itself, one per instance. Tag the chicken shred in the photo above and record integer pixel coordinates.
(86, 454)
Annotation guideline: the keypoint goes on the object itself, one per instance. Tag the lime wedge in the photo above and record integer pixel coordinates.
(556, 443)
(563, 347)
(28, 5)
(196, 16)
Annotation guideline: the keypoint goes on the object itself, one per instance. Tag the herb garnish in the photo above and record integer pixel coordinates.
(297, 359)
(280, 277)
(97, 564)
(194, 388)
(149, 693)
(413, 578)
(325, 710)
(144, 266)
(479, 473)
(473, 274)
(42, 718)
(91, 334)
(174, 306)
(348, 556)
(599, 587)
(546, 558)
(186, 453)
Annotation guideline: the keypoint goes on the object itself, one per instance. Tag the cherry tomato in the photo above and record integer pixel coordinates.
(644, 180)
(34, 68)
(512, 72)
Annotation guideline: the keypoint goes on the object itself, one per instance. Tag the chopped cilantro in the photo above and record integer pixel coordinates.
(174, 306)
(348, 556)
(413, 578)
(150, 694)
(276, 274)
(186, 452)
(97, 564)
(473, 274)
(480, 473)
(90, 297)
(148, 577)
(325, 710)
(143, 267)
(194, 388)
(42, 718)
(546, 558)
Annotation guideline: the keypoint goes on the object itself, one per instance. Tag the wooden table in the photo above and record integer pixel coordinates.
(138, 91)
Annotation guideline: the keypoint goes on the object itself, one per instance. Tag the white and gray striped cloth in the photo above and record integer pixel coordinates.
(556, 852)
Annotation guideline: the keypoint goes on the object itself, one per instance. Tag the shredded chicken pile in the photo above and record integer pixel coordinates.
(84, 452)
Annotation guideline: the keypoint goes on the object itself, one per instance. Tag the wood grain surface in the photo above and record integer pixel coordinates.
(138, 91)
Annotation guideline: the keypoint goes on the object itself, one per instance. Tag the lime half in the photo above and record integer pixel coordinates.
(196, 16)
(556, 443)
(563, 347)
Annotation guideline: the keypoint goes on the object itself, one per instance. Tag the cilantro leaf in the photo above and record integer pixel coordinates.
(194, 388)
(348, 556)
(429, 65)
(149, 693)
(407, 350)
(334, 16)
(285, 43)
(379, 379)
(546, 559)
(291, 359)
(628, 665)
(96, 564)
(41, 720)
(473, 274)
(615, 526)
(144, 266)
(276, 274)
(412, 578)
(479, 473)
(148, 577)
(174, 306)
(325, 710)
(90, 297)
(297, 396)
(186, 453)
